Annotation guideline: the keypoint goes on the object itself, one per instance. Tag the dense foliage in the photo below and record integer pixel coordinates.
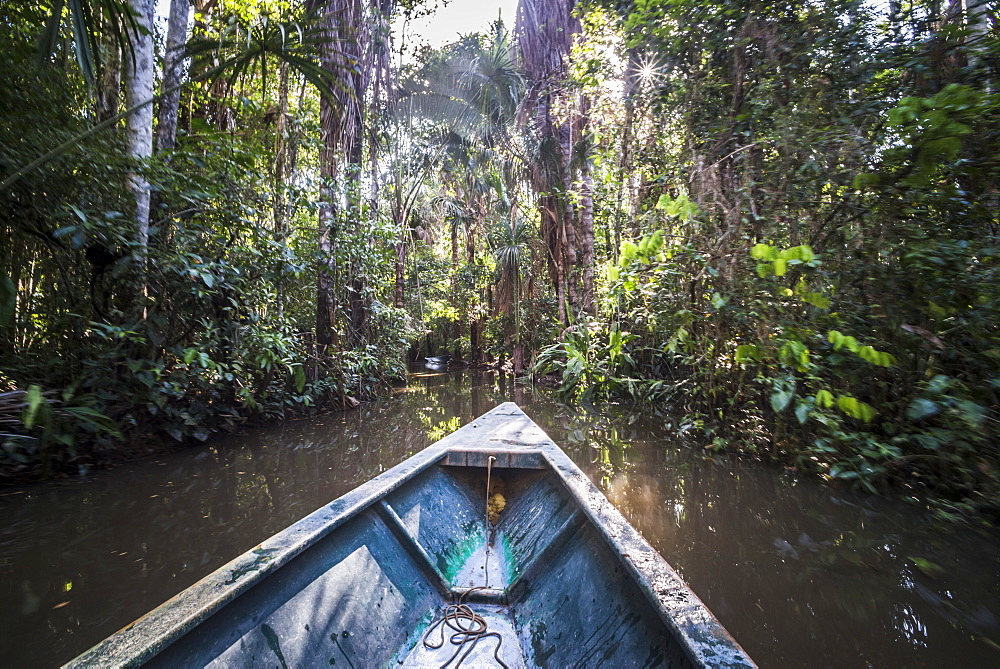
(778, 220)
(813, 267)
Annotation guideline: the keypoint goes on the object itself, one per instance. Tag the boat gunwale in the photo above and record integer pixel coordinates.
(696, 630)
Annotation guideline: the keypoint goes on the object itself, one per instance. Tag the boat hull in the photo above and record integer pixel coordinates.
(562, 577)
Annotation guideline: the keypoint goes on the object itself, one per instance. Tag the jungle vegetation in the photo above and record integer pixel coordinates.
(776, 222)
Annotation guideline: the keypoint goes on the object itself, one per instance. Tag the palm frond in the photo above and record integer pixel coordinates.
(297, 43)
(89, 21)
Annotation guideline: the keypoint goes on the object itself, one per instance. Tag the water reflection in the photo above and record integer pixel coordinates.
(799, 573)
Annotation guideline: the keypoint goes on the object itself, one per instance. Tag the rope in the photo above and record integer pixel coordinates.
(469, 627)
(486, 520)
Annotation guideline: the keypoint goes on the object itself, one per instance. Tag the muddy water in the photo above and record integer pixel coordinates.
(801, 574)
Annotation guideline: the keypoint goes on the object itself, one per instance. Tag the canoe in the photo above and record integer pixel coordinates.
(438, 359)
(533, 568)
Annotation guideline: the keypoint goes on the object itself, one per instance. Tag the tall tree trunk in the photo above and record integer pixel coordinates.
(625, 163)
(545, 31)
(399, 297)
(325, 280)
(139, 89)
(173, 74)
(587, 234)
(475, 352)
(109, 86)
(586, 204)
(977, 18)
(280, 177)
(330, 113)
(475, 348)
(356, 53)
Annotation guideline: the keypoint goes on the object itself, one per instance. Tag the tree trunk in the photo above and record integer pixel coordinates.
(110, 85)
(355, 53)
(173, 74)
(475, 349)
(584, 188)
(325, 283)
(280, 177)
(625, 164)
(587, 234)
(330, 118)
(139, 89)
(977, 19)
(545, 30)
(400, 294)
(569, 237)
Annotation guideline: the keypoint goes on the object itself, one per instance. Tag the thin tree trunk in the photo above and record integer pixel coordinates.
(281, 156)
(325, 285)
(625, 164)
(280, 180)
(173, 73)
(138, 89)
(586, 205)
(400, 295)
(330, 118)
(587, 234)
(110, 85)
(475, 352)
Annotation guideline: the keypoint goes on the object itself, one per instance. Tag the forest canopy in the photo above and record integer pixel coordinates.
(775, 222)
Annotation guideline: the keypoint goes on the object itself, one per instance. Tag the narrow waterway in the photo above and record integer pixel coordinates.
(800, 573)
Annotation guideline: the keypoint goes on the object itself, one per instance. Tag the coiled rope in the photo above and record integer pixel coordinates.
(469, 628)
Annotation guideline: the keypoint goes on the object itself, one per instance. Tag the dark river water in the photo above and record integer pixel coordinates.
(800, 573)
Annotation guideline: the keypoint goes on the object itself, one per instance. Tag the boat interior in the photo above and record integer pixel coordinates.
(534, 585)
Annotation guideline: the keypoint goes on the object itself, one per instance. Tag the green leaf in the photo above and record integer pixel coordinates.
(816, 299)
(824, 398)
(926, 566)
(802, 412)
(34, 401)
(628, 252)
(782, 398)
(762, 252)
(921, 408)
(654, 243)
(855, 408)
(96, 419)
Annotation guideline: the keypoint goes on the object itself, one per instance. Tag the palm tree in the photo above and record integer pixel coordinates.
(545, 31)
(510, 242)
(469, 93)
(356, 50)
